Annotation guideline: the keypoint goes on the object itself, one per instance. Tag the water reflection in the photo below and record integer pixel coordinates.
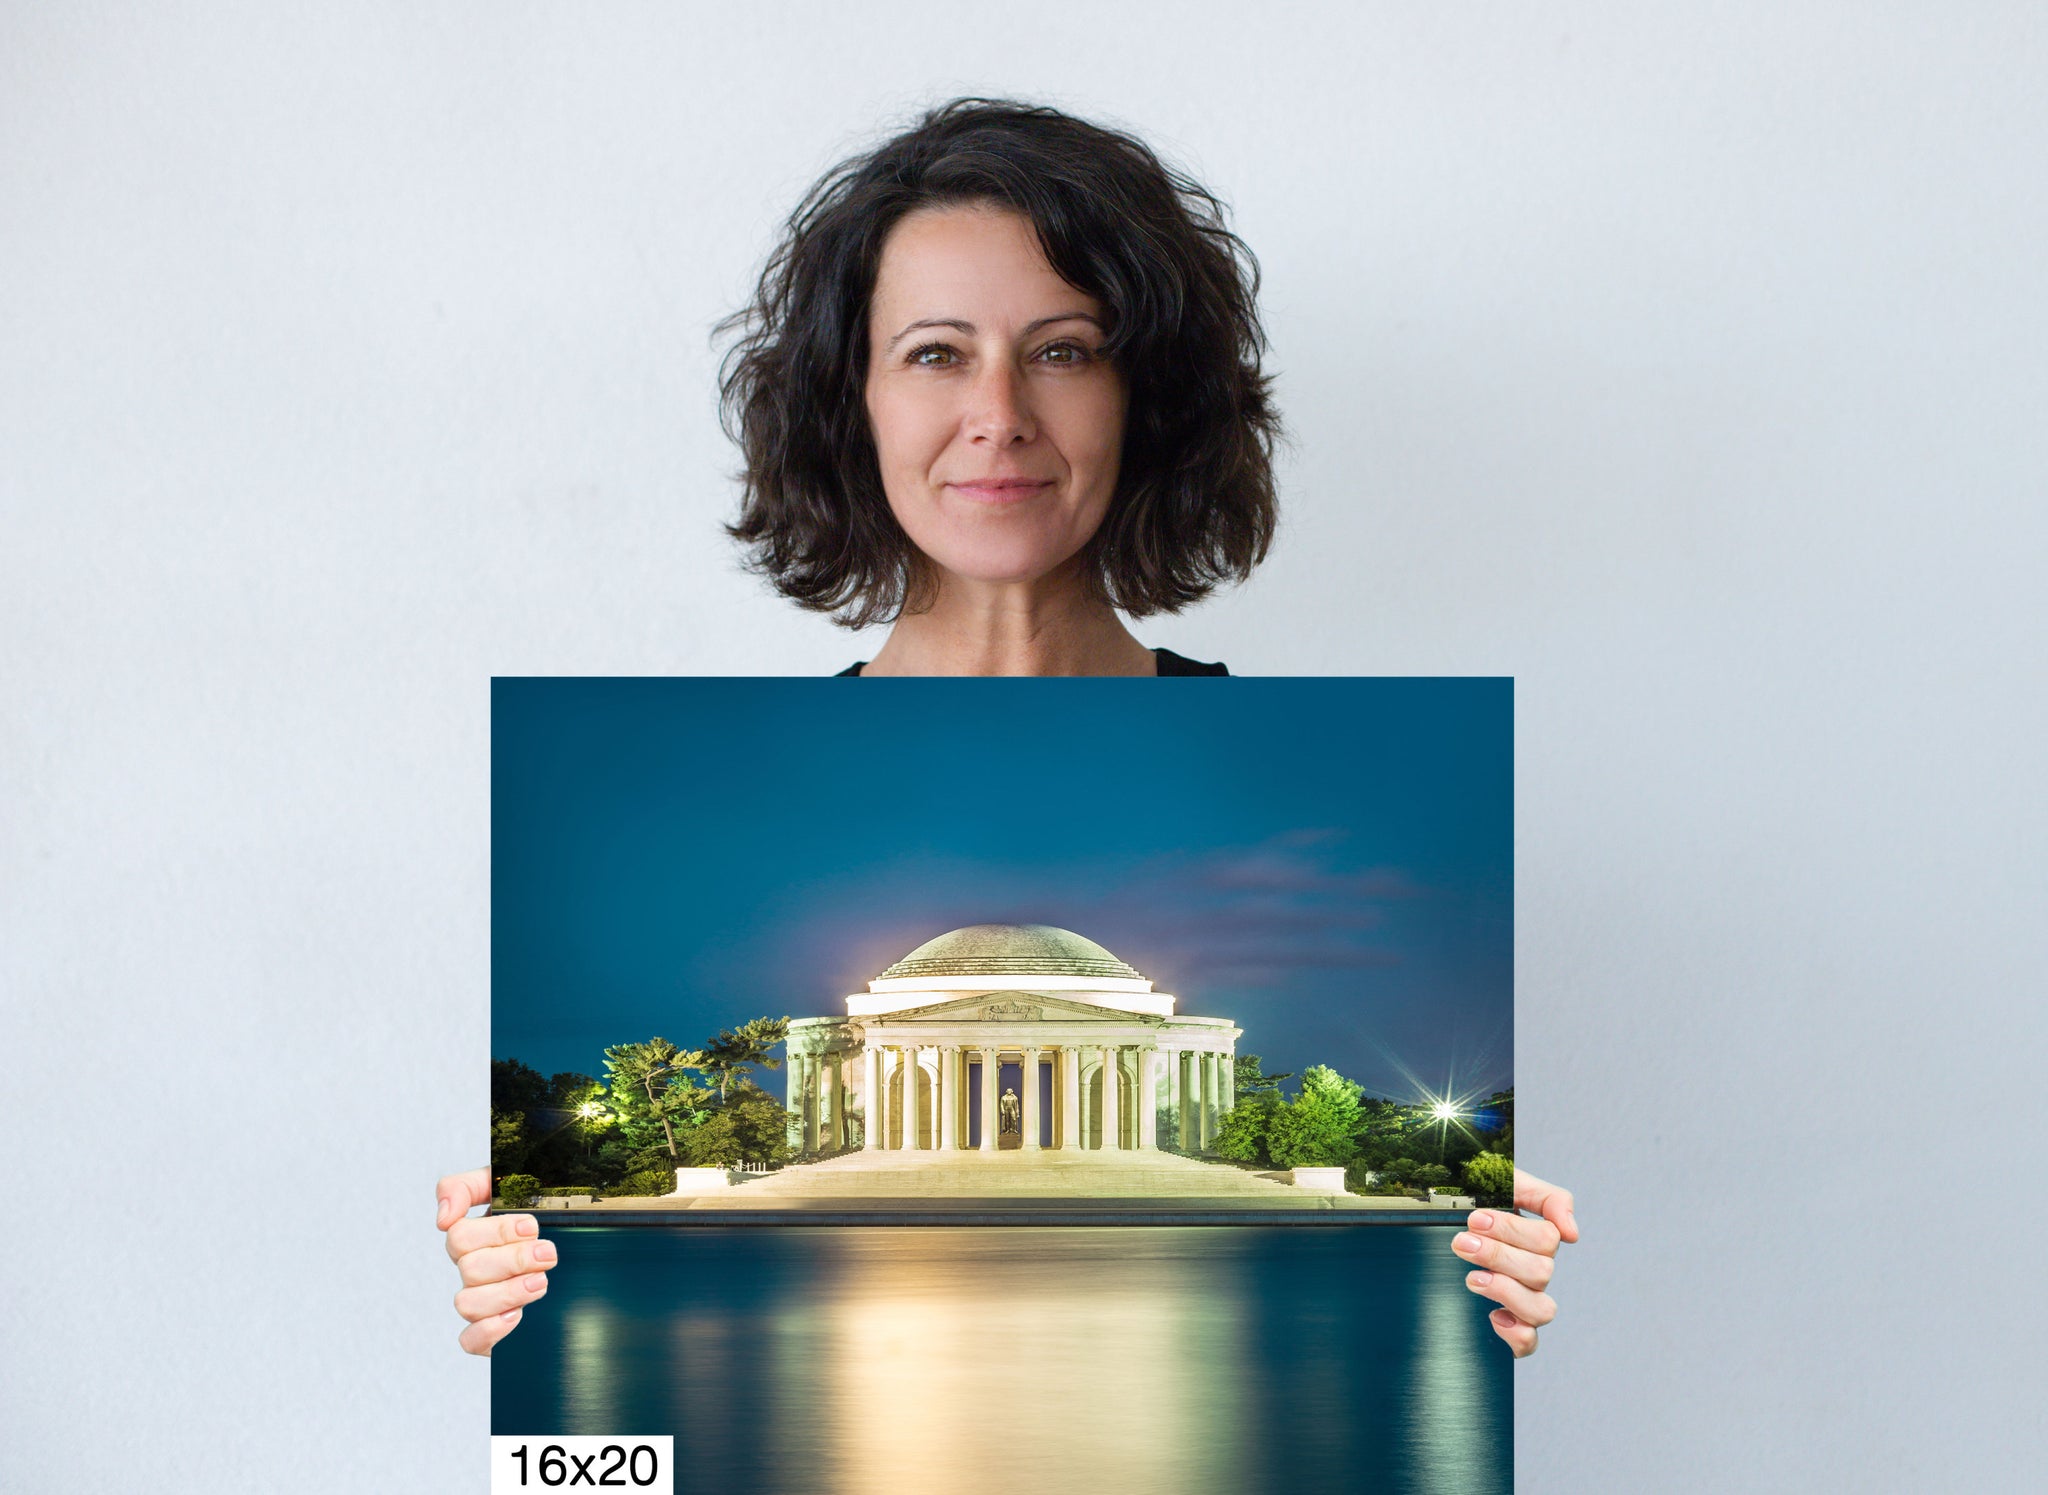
(858, 1361)
(954, 1350)
(592, 1370)
(1449, 1390)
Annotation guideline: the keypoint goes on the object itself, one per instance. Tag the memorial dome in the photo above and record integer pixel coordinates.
(1004, 950)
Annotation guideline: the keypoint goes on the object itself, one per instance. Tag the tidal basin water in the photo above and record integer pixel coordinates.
(904, 1359)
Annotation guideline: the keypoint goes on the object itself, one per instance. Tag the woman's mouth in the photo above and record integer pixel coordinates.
(1001, 490)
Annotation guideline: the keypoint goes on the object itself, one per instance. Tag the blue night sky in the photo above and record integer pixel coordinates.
(1327, 861)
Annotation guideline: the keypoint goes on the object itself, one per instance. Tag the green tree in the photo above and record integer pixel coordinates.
(652, 1095)
(1251, 1080)
(1382, 1131)
(748, 1128)
(729, 1056)
(1491, 1178)
(1499, 1109)
(547, 1127)
(646, 1182)
(517, 1088)
(617, 1157)
(518, 1190)
(1319, 1130)
(569, 1091)
(563, 1133)
(1243, 1134)
(508, 1141)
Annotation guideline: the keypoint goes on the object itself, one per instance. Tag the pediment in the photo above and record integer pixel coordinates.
(1014, 1007)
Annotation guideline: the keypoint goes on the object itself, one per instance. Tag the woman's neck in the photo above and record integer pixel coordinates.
(1035, 629)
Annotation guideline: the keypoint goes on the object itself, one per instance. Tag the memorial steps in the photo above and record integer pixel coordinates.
(1014, 1175)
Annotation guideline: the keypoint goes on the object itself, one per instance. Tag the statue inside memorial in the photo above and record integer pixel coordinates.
(1013, 1113)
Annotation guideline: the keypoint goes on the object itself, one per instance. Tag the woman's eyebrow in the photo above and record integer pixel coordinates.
(968, 327)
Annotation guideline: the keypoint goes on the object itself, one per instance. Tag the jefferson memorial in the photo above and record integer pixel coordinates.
(1009, 1037)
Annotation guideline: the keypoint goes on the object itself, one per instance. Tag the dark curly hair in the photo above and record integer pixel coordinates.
(1194, 504)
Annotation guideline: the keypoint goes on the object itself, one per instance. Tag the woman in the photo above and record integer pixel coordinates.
(999, 383)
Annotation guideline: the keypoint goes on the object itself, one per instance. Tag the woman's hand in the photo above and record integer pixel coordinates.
(503, 1262)
(1516, 1256)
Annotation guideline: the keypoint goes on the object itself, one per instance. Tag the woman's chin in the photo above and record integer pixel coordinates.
(999, 565)
(983, 572)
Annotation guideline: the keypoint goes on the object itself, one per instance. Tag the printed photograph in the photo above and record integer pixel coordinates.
(1039, 1084)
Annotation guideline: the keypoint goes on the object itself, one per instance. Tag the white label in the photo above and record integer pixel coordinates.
(646, 1465)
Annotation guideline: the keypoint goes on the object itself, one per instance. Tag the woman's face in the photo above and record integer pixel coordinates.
(997, 423)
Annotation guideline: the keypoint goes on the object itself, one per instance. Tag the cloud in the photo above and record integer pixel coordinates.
(1260, 915)
(1311, 835)
(1275, 871)
(1265, 915)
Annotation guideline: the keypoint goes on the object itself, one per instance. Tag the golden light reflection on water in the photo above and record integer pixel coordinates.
(848, 1361)
(974, 1363)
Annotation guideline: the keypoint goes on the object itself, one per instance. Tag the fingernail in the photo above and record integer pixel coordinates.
(1480, 1278)
(1481, 1221)
(1571, 1219)
(441, 1215)
(544, 1251)
(1466, 1241)
(537, 1282)
(525, 1225)
(511, 1315)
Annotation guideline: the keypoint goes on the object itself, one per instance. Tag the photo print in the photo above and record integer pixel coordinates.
(1014, 1084)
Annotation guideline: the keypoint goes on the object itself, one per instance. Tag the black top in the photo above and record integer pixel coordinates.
(1170, 663)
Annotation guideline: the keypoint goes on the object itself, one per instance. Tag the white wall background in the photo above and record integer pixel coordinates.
(1683, 362)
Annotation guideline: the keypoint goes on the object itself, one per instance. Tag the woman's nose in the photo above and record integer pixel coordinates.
(999, 408)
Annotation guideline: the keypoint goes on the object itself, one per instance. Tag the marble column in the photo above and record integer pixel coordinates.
(902, 1107)
(813, 1074)
(876, 1107)
(1148, 1099)
(949, 1097)
(1183, 1088)
(793, 1092)
(809, 1102)
(1112, 1101)
(878, 1119)
(961, 1083)
(913, 1108)
(960, 1058)
(834, 1114)
(1229, 1063)
(1170, 1057)
(1199, 1082)
(1070, 1098)
(1028, 1078)
(928, 1108)
(793, 1101)
(989, 1120)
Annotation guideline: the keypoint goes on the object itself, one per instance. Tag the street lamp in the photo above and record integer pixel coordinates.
(1443, 1113)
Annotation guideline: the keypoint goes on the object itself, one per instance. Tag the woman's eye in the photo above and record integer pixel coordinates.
(942, 355)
